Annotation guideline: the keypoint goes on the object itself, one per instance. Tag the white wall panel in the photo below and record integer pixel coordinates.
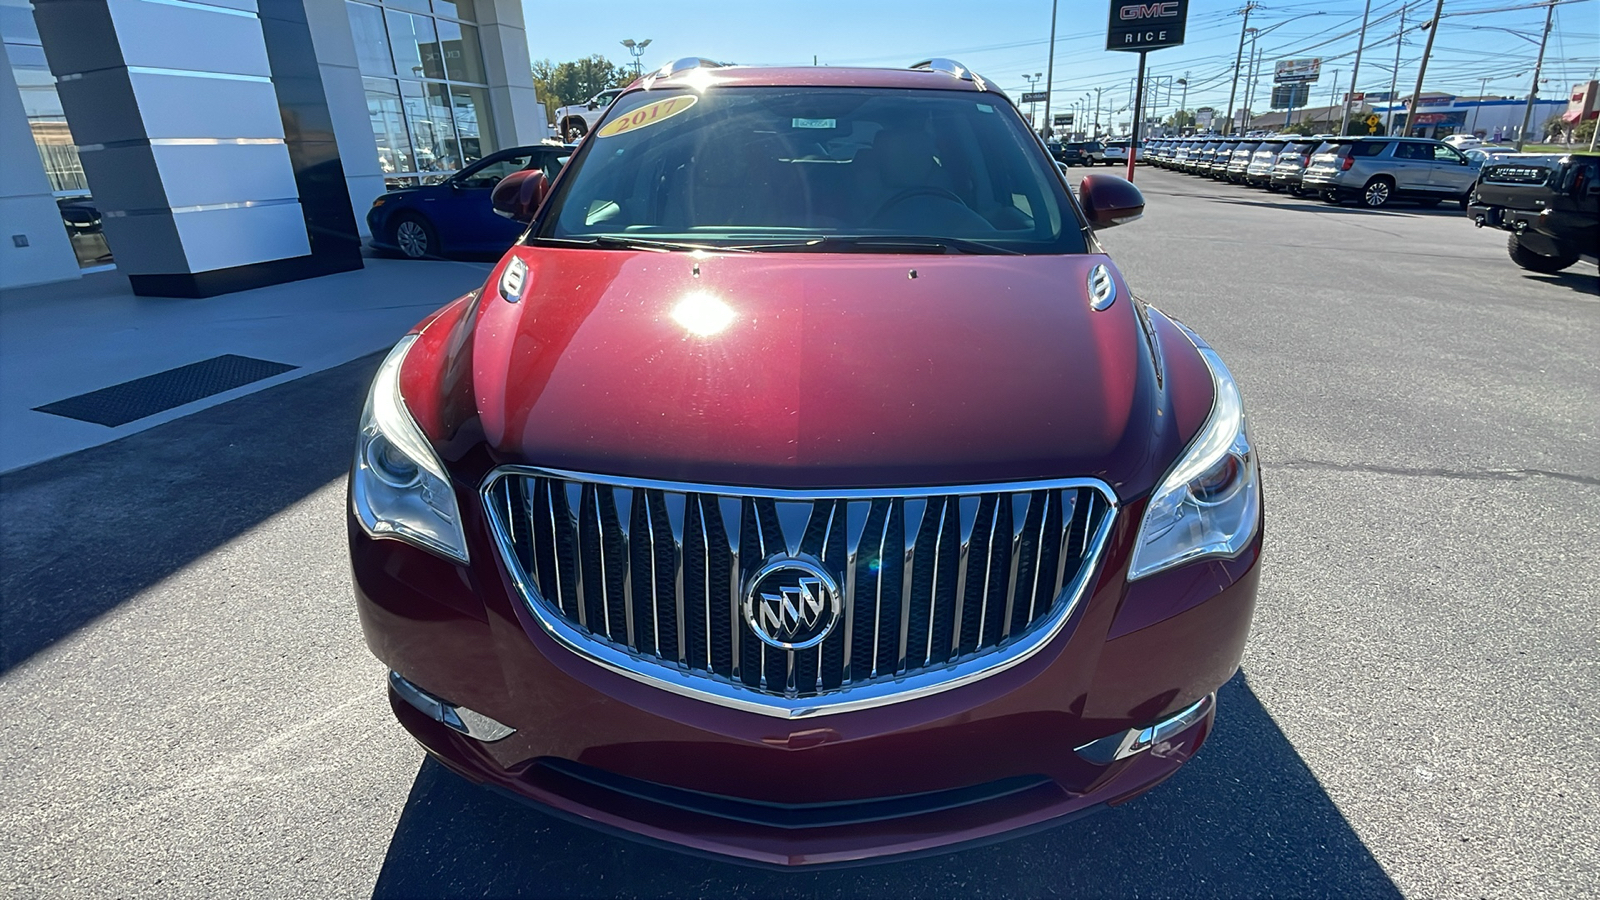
(220, 238)
(225, 173)
(193, 38)
(180, 106)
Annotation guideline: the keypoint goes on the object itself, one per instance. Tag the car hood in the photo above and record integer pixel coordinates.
(810, 370)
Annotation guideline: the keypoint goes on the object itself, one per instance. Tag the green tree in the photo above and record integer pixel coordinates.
(566, 83)
(1180, 119)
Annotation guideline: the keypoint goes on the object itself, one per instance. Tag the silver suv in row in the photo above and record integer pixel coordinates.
(1379, 170)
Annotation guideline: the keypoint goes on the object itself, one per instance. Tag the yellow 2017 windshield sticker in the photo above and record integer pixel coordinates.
(648, 114)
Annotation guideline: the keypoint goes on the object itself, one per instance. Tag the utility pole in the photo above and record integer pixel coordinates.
(1394, 76)
(1250, 86)
(1533, 89)
(1097, 111)
(1238, 58)
(1050, 70)
(1344, 121)
(1138, 111)
(1427, 49)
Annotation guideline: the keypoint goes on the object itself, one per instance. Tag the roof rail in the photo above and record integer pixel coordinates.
(679, 66)
(951, 67)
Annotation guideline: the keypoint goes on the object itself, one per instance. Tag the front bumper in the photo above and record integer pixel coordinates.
(967, 765)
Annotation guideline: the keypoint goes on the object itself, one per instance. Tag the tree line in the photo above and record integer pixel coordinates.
(566, 83)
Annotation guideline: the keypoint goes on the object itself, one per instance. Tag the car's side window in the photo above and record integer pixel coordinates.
(1444, 154)
(1408, 150)
(490, 175)
(1375, 148)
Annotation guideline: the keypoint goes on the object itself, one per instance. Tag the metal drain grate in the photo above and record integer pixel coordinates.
(132, 400)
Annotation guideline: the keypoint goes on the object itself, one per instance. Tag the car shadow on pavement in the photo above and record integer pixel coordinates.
(1245, 818)
(85, 532)
(1581, 278)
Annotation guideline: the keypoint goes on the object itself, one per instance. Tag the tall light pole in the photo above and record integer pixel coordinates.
(1344, 121)
(1050, 69)
(637, 50)
(1097, 111)
(1238, 59)
(1427, 49)
(1255, 74)
(1533, 89)
(1394, 75)
(1184, 103)
(1033, 105)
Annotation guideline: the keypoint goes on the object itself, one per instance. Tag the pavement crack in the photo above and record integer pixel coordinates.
(1426, 472)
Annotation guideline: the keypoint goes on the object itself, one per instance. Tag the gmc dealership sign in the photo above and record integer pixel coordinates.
(1146, 24)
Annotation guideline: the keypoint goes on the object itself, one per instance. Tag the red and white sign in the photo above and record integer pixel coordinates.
(1355, 100)
(1581, 105)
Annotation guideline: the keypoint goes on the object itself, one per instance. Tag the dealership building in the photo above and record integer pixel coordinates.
(206, 146)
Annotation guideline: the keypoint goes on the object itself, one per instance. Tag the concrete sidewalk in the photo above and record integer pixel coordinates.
(63, 340)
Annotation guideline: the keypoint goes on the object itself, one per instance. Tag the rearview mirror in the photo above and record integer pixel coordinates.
(1108, 200)
(519, 194)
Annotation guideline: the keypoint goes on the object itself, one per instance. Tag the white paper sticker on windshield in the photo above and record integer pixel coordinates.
(814, 123)
(984, 107)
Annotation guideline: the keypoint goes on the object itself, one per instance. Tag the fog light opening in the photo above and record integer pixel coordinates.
(1124, 744)
(473, 724)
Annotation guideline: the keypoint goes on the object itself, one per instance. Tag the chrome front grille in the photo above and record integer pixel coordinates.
(938, 585)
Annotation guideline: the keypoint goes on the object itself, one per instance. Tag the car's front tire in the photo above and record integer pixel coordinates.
(574, 129)
(415, 237)
(1538, 262)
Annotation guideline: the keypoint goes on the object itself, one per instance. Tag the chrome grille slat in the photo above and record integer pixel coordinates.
(584, 548)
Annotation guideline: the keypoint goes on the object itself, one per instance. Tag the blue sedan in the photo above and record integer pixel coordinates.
(455, 216)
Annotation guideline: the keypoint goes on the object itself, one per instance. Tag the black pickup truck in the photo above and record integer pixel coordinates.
(1550, 204)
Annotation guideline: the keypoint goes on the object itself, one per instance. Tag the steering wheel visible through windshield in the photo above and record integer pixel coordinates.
(780, 168)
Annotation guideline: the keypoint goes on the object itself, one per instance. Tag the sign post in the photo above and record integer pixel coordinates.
(1139, 26)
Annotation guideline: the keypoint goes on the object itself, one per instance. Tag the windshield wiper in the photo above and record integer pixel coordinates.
(888, 243)
(620, 242)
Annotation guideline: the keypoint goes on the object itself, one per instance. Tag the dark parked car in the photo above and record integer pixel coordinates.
(455, 216)
(806, 486)
(1549, 203)
(1072, 153)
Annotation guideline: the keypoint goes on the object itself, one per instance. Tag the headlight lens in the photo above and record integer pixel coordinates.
(398, 487)
(1209, 504)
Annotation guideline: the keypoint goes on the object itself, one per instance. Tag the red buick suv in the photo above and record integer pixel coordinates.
(805, 486)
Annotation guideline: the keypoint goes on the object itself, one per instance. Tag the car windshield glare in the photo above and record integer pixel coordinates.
(775, 168)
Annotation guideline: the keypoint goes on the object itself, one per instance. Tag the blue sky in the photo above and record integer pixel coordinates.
(1005, 39)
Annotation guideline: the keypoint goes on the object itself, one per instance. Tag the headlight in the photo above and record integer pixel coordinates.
(398, 487)
(1209, 504)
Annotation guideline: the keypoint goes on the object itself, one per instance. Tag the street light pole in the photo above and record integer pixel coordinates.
(1238, 59)
(1483, 85)
(1033, 105)
(1050, 70)
(1097, 111)
(1344, 121)
(1533, 89)
(637, 51)
(1427, 49)
(1184, 103)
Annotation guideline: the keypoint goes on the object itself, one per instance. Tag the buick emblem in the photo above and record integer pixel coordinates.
(792, 603)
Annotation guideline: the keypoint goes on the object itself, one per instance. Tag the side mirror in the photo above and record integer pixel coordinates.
(1108, 200)
(518, 195)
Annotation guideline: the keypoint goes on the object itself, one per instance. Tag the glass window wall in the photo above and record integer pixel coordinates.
(427, 92)
(51, 136)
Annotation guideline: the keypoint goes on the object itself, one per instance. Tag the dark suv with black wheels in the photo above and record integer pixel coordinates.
(1549, 203)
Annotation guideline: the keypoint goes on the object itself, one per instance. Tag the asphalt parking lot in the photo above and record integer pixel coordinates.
(188, 708)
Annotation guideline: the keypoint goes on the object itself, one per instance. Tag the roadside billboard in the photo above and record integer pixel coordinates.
(1295, 71)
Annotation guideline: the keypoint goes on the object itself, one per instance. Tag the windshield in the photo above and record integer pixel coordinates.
(781, 168)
